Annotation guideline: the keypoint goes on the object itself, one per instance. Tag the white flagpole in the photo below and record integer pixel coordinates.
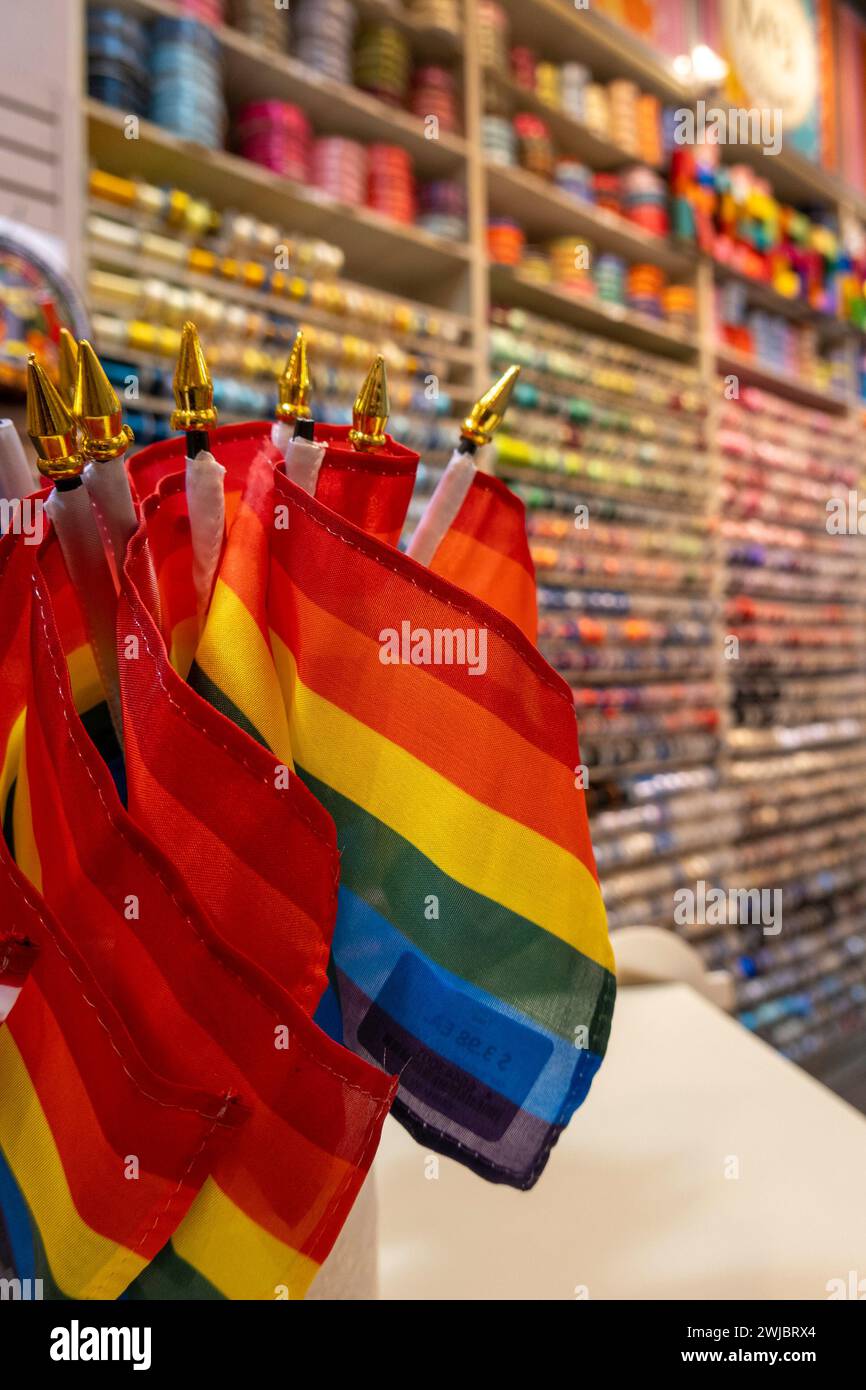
(445, 502)
(51, 427)
(105, 441)
(16, 476)
(195, 413)
(451, 490)
(205, 498)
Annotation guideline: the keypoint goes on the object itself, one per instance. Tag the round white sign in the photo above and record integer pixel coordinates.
(770, 45)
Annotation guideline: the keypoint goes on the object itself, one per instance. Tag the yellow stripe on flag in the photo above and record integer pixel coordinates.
(82, 1262)
(87, 692)
(184, 640)
(11, 760)
(237, 1255)
(235, 656)
(87, 688)
(26, 853)
(501, 859)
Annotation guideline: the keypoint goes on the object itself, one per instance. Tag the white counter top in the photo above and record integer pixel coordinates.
(635, 1201)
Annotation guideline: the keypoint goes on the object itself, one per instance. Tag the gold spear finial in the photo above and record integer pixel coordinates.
(193, 388)
(67, 350)
(51, 427)
(97, 409)
(487, 413)
(294, 385)
(371, 409)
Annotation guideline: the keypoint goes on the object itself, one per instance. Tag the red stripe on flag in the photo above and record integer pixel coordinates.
(486, 551)
(317, 1110)
(269, 876)
(338, 567)
(371, 489)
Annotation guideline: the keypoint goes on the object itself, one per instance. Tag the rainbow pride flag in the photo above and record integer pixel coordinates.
(201, 1007)
(485, 550)
(105, 1140)
(470, 951)
(372, 490)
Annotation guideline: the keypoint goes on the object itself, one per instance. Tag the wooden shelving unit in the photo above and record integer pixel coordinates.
(545, 212)
(457, 279)
(574, 138)
(407, 260)
(655, 335)
(379, 252)
(751, 369)
(568, 31)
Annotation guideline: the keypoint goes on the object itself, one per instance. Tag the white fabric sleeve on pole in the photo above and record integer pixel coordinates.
(108, 489)
(303, 457)
(281, 436)
(111, 498)
(303, 461)
(8, 995)
(441, 510)
(87, 566)
(205, 499)
(17, 478)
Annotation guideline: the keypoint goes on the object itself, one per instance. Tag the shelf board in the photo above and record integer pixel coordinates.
(562, 33)
(584, 487)
(783, 383)
(574, 139)
(431, 41)
(612, 772)
(379, 252)
(254, 72)
(544, 212)
(519, 291)
(103, 255)
(162, 405)
(138, 357)
(793, 177)
(763, 295)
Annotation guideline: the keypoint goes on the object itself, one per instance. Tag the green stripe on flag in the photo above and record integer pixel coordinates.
(210, 691)
(504, 954)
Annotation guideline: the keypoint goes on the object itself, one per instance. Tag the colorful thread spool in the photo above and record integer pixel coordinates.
(276, 135)
(534, 145)
(339, 168)
(390, 182)
(322, 36)
(434, 94)
(383, 63)
(505, 241)
(117, 68)
(262, 21)
(493, 36)
(186, 94)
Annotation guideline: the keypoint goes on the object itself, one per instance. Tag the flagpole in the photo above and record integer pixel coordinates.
(450, 492)
(195, 413)
(67, 350)
(302, 455)
(52, 429)
(16, 477)
(105, 440)
(371, 409)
